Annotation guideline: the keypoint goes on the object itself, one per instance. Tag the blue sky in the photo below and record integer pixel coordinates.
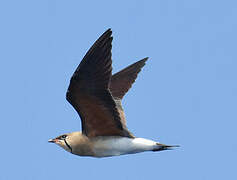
(186, 93)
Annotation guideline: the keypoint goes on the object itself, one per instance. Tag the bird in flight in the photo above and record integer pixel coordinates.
(96, 95)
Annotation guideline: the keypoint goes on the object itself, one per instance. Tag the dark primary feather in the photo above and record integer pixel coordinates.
(122, 81)
(88, 92)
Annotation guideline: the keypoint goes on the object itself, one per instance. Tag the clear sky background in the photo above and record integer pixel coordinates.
(186, 94)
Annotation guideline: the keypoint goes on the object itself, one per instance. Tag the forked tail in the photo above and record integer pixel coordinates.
(162, 147)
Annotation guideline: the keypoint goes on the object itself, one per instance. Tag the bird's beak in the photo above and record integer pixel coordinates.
(51, 141)
(167, 147)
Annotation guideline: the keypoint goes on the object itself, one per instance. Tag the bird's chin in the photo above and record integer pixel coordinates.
(62, 145)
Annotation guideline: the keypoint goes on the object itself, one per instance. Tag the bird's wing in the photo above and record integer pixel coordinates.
(88, 92)
(122, 81)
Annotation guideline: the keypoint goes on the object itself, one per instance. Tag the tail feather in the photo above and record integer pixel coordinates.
(162, 147)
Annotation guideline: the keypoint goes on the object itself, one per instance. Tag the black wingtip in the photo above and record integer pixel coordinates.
(106, 35)
(141, 62)
(145, 59)
(108, 31)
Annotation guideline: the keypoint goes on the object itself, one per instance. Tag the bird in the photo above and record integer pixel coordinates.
(96, 96)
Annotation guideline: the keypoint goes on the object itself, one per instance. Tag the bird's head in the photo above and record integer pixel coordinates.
(74, 142)
(63, 141)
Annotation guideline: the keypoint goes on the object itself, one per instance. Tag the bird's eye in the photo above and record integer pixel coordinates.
(63, 136)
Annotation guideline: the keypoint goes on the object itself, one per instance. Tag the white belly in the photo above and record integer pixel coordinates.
(114, 146)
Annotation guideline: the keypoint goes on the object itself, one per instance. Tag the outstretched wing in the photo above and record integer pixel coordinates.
(122, 81)
(88, 92)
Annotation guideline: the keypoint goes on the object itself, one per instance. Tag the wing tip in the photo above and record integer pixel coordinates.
(108, 33)
(139, 63)
(144, 60)
(109, 29)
